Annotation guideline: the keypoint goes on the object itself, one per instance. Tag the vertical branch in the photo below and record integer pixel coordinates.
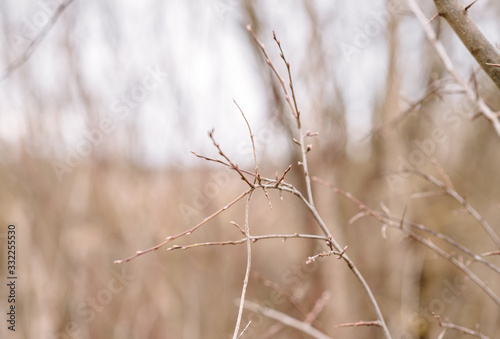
(302, 136)
(251, 138)
(247, 273)
(269, 62)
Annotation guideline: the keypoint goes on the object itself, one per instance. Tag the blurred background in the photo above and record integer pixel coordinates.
(96, 128)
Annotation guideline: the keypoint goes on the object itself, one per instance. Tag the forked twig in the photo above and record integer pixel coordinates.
(282, 55)
(459, 328)
(187, 232)
(401, 225)
(309, 202)
(269, 62)
(286, 319)
(448, 188)
(253, 238)
(438, 46)
(360, 323)
(235, 166)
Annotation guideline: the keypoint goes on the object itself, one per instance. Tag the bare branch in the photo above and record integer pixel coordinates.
(236, 334)
(282, 82)
(187, 232)
(474, 40)
(431, 35)
(289, 78)
(234, 166)
(257, 176)
(318, 307)
(253, 238)
(459, 328)
(448, 188)
(326, 254)
(360, 323)
(35, 43)
(399, 223)
(286, 319)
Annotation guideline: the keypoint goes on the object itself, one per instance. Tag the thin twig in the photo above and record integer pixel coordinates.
(280, 179)
(289, 78)
(400, 222)
(286, 319)
(443, 174)
(360, 323)
(247, 272)
(326, 254)
(268, 60)
(454, 12)
(235, 166)
(244, 330)
(187, 232)
(432, 90)
(251, 138)
(345, 257)
(459, 328)
(32, 46)
(282, 293)
(319, 305)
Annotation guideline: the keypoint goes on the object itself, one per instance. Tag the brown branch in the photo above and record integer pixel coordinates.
(319, 305)
(360, 323)
(234, 166)
(282, 55)
(280, 179)
(326, 254)
(257, 176)
(448, 188)
(434, 89)
(236, 333)
(333, 244)
(486, 254)
(396, 222)
(399, 223)
(187, 232)
(474, 40)
(458, 328)
(282, 293)
(286, 319)
(253, 238)
(282, 82)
